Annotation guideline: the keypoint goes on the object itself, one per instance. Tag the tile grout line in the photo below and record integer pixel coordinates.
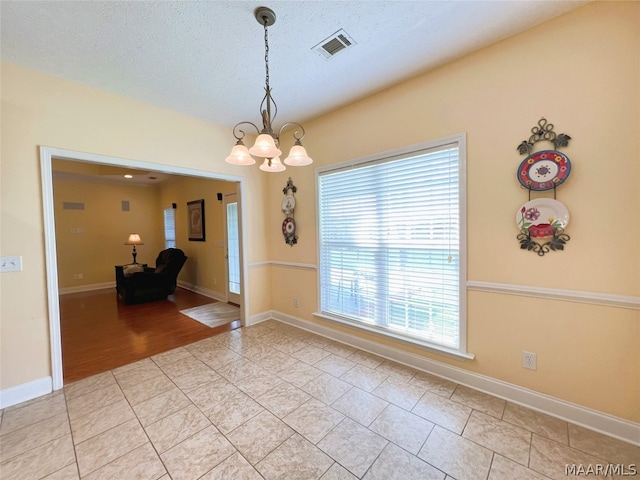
(73, 444)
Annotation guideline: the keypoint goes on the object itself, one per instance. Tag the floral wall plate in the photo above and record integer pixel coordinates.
(542, 217)
(544, 170)
(289, 226)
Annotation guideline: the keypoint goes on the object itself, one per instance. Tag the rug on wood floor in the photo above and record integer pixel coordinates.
(213, 314)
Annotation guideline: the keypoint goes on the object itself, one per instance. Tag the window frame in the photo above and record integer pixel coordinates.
(164, 227)
(395, 154)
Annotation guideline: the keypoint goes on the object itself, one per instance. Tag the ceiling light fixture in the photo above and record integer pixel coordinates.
(266, 145)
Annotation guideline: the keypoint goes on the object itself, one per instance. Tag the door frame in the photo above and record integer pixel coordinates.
(47, 155)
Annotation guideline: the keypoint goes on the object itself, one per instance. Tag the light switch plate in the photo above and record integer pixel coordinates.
(11, 264)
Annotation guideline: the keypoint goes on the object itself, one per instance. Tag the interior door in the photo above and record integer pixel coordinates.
(233, 248)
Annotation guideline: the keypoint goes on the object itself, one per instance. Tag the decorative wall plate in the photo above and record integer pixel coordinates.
(544, 170)
(288, 204)
(541, 217)
(288, 227)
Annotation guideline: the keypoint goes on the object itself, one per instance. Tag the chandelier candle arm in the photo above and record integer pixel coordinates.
(267, 142)
(240, 135)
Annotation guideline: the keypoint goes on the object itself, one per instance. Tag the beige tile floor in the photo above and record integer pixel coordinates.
(275, 402)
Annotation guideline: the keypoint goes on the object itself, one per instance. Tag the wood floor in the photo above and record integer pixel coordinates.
(100, 333)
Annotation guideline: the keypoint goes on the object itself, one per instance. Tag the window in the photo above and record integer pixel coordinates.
(392, 244)
(169, 228)
(233, 247)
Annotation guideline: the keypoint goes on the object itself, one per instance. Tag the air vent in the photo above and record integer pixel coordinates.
(73, 205)
(336, 43)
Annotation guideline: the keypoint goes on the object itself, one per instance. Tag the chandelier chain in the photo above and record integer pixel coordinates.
(266, 51)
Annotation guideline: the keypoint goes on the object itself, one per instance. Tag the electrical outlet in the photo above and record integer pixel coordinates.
(529, 360)
(296, 302)
(11, 264)
(78, 276)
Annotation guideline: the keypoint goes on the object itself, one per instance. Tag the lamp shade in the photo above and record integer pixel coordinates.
(298, 157)
(134, 239)
(265, 147)
(240, 155)
(276, 165)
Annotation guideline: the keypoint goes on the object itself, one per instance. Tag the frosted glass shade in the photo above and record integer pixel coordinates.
(240, 155)
(276, 165)
(298, 157)
(265, 147)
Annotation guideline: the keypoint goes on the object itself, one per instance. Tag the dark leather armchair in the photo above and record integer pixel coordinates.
(152, 283)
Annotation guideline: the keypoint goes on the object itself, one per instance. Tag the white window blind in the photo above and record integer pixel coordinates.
(169, 228)
(390, 245)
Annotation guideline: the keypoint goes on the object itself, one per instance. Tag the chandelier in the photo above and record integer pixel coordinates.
(266, 145)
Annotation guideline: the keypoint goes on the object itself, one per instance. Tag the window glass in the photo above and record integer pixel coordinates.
(169, 228)
(391, 249)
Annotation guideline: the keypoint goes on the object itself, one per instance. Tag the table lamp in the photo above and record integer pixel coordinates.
(134, 239)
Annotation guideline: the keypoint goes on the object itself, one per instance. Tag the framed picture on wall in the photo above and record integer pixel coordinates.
(195, 214)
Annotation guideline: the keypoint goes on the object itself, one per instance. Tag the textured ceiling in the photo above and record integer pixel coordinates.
(206, 58)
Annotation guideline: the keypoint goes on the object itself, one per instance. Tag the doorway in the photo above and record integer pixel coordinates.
(47, 155)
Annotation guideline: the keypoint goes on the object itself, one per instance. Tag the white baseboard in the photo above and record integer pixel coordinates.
(203, 291)
(101, 286)
(594, 420)
(21, 393)
(260, 317)
(87, 288)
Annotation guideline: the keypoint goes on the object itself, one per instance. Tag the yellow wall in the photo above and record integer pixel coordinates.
(588, 86)
(581, 71)
(205, 267)
(105, 227)
(39, 109)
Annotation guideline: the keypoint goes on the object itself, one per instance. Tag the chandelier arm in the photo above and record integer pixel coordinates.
(295, 132)
(267, 117)
(235, 128)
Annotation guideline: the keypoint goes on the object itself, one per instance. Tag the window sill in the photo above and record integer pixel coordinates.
(414, 342)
